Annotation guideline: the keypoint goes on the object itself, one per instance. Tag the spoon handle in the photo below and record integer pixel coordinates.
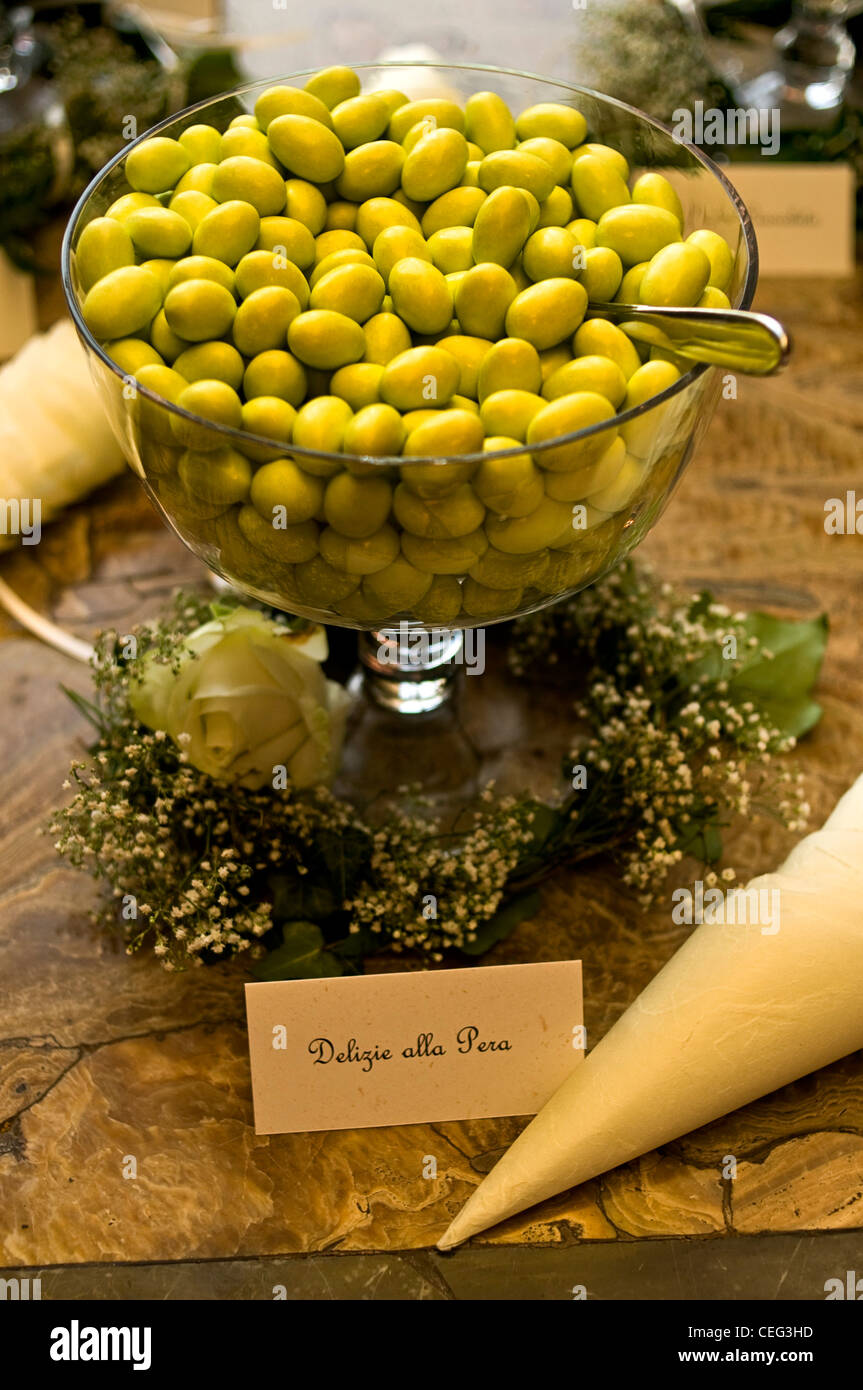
(755, 344)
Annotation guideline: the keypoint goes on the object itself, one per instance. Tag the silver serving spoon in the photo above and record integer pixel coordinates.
(752, 343)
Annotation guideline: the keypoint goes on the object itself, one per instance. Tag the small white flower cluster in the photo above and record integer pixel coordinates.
(180, 854)
(669, 785)
(430, 891)
(673, 752)
(161, 841)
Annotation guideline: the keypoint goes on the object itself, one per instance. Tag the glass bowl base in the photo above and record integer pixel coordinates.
(388, 759)
(408, 670)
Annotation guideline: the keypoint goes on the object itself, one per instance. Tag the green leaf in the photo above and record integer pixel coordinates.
(781, 686)
(343, 854)
(704, 844)
(302, 956)
(301, 896)
(220, 609)
(546, 821)
(547, 824)
(503, 923)
(91, 712)
(356, 945)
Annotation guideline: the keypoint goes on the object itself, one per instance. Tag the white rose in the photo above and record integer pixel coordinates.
(249, 697)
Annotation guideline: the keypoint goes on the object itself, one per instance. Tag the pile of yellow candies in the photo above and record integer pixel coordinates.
(372, 277)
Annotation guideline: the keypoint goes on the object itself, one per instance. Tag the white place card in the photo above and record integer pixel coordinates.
(368, 1050)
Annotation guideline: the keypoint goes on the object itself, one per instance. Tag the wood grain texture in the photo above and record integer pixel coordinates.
(105, 1058)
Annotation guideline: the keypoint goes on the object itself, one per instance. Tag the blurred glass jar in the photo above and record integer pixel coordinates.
(814, 59)
(36, 148)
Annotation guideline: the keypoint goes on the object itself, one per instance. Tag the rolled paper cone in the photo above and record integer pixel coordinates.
(56, 444)
(740, 1010)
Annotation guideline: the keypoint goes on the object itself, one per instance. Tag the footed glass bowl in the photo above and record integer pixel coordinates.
(603, 487)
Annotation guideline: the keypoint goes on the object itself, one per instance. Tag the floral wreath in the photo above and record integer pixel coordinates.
(204, 805)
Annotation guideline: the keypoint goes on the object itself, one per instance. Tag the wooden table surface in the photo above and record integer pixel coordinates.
(102, 1056)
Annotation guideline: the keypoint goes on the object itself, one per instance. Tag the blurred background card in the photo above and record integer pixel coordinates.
(803, 214)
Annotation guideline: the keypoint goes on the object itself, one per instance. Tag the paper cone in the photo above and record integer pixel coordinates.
(56, 444)
(737, 1012)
